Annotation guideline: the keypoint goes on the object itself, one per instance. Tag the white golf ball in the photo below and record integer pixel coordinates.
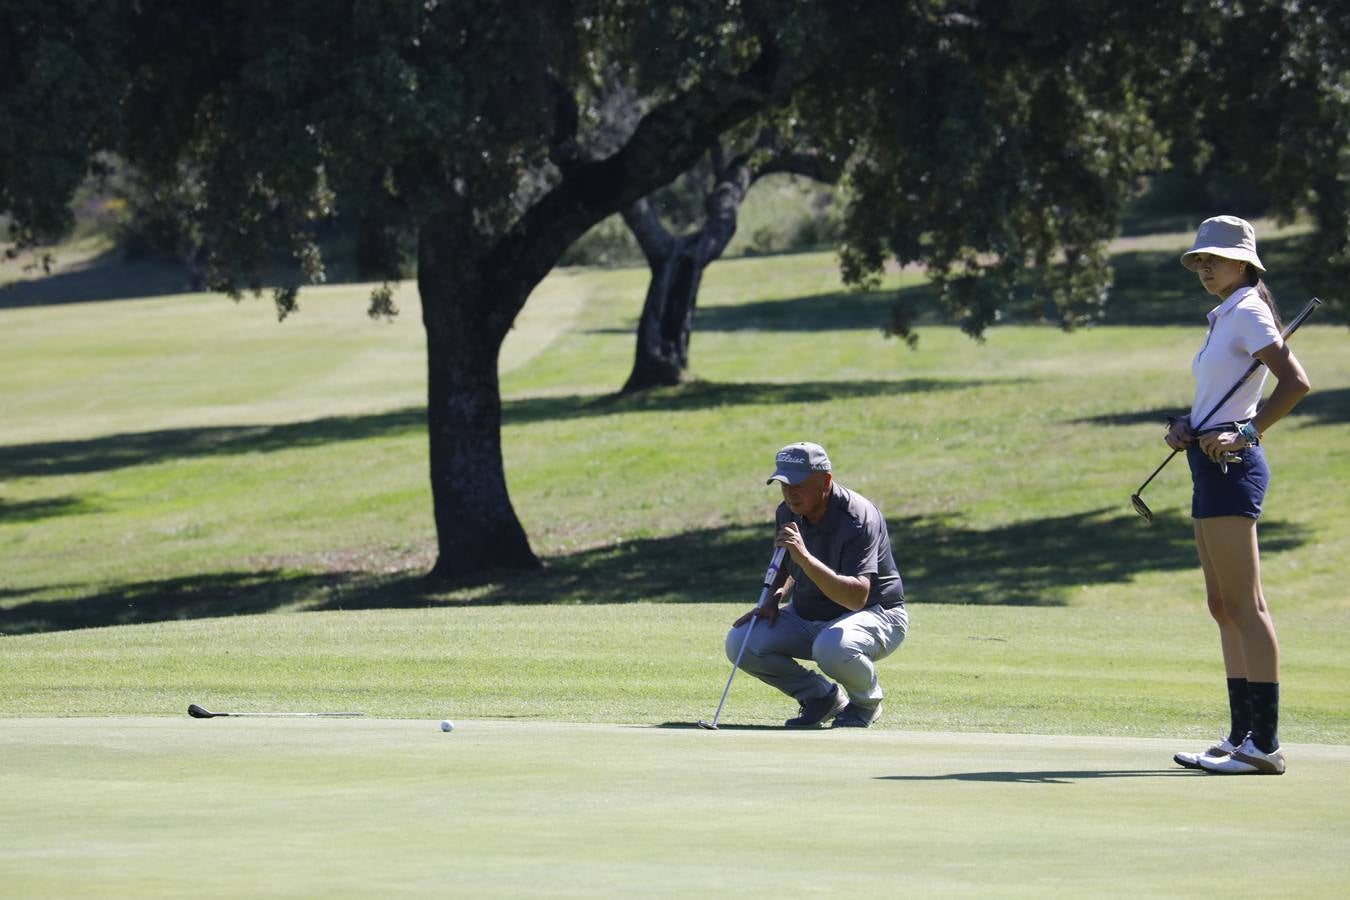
(447, 725)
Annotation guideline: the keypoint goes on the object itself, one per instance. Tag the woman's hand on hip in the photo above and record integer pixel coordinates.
(1218, 444)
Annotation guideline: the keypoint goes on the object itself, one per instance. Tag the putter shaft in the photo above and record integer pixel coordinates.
(770, 576)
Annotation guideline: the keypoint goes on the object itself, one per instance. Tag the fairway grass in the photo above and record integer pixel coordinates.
(962, 668)
(353, 808)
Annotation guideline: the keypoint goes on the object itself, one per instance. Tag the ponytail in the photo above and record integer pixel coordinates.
(1254, 280)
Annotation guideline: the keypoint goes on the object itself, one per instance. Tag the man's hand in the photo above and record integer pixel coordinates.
(768, 612)
(849, 591)
(790, 538)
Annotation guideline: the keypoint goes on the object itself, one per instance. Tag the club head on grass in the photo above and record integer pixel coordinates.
(198, 712)
(1141, 507)
(708, 725)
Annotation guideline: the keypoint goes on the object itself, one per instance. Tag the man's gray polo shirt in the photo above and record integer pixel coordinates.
(853, 540)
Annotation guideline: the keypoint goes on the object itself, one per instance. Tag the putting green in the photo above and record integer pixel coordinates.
(295, 807)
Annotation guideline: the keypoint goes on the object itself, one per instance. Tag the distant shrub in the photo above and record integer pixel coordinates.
(608, 244)
(784, 214)
(766, 239)
(781, 214)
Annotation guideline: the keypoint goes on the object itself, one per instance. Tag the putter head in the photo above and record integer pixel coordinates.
(1141, 507)
(708, 725)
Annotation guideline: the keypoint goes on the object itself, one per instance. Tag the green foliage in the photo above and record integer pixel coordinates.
(62, 80)
(271, 127)
(394, 112)
(1030, 152)
(988, 142)
(1282, 119)
(1014, 144)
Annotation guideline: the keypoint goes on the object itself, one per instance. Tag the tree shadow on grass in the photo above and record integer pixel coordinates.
(701, 395)
(114, 275)
(1152, 288)
(1325, 407)
(108, 276)
(188, 597)
(1033, 563)
(1041, 561)
(117, 451)
(1048, 777)
(48, 508)
(847, 310)
(1330, 407)
(838, 311)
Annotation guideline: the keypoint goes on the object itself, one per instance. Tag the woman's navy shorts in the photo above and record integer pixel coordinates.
(1238, 493)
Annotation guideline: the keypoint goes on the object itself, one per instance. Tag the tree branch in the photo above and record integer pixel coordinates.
(819, 166)
(564, 150)
(666, 143)
(646, 226)
(718, 157)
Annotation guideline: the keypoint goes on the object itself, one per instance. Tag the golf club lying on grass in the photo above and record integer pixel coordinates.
(769, 578)
(198, 712)
(1135, 499)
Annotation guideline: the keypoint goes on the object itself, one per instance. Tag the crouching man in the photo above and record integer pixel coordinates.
(847, 607)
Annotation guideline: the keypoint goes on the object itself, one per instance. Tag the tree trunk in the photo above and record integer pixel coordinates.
(476, 525)
(662, 357)
(677, 264)
(473, 285)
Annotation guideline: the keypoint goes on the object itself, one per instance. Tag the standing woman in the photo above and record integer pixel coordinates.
(1229, 474)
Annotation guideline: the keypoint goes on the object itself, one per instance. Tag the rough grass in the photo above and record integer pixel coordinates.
(185, 456)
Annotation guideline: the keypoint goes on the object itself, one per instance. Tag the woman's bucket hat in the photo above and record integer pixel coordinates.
(1226, 236)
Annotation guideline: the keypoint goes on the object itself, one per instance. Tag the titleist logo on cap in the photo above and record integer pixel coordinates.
(794, 463)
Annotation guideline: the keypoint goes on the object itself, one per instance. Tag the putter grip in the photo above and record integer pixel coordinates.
(774, 564)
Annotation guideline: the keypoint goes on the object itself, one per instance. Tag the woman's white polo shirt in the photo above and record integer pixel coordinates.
(1238, 327)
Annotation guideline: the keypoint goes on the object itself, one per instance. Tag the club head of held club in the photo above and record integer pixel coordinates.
(705, 724)
(1141, 507)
